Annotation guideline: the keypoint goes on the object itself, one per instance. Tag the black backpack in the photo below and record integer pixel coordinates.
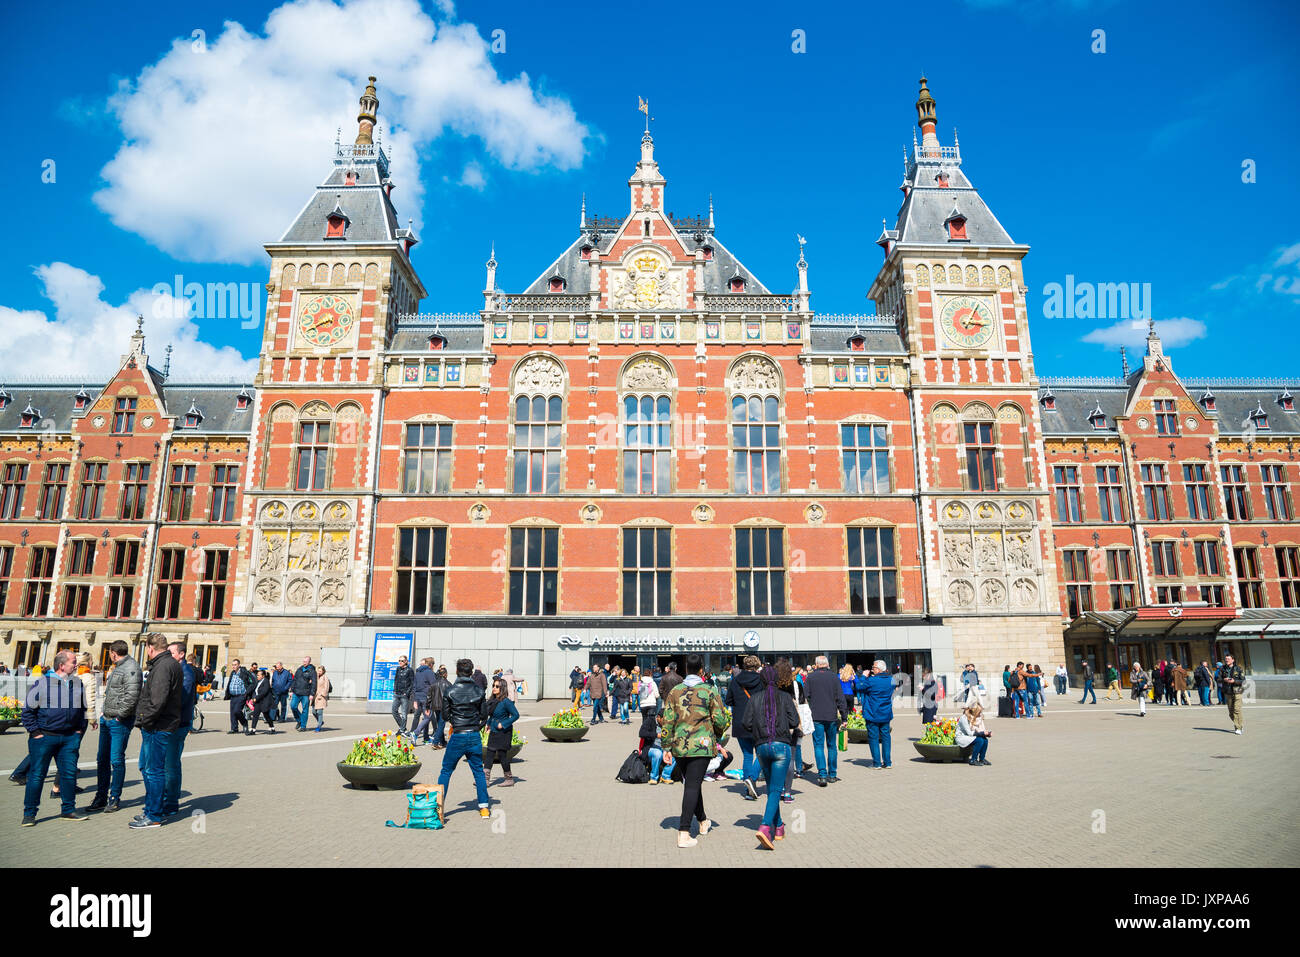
(635, 770)
(1014, 680)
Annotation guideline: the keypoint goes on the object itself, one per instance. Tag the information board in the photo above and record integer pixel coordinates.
(389, 646)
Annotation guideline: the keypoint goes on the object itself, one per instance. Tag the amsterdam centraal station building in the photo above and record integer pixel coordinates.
(649, 451)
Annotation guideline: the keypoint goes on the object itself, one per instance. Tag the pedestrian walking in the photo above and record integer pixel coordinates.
(121, 694)
(1062, 679)
(1171, 697)
(238, 685)
(1180, 685)
(598, 688)
(438, 707)
(54, 715)
(1088, 684)
(1218, 682)
(502, 715)
(1112, 683)
(159, 715)
(971, 732)
(465, 707)
(926, 702)
(1158, 682)
(694, 717)
(263, 703)
(740, 692)
(1138, 681)
(1203, 680)
(648, 698)
(176, 744)
(879, 714)
(281, 685)
(670, 680)
(320, 701)
(420, 687)
(403, 685)
(788, 681)
(576, 682)
(303, 690)
(847, 678)
(771, 721)
(622, 694)
(1233, 681)
(826, 701)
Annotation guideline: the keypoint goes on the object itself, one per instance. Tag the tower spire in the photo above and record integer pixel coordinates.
(369, 111)
(925, 115)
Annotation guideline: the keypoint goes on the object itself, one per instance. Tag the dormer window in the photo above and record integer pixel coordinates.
(193, 416)
(334, 227)
(27, 418)
(957, 228)
(350, 178)
(243, 400)
(585, 252)
(80, 401)
(437, 341)
(708, 252)
(1098, 419)
(1207, 401)
(941, 180)
(1049, 401)
(1259, 418)
(737, 284)
(857, 344)
(1286, 400)
(5, 399)
(556, 284)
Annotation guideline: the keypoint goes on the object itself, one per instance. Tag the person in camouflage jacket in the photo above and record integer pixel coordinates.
(693, 720)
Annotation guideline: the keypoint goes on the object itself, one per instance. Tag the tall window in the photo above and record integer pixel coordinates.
(1251, 581)
(53, 489)
(421, 570)
(1197, 483)
(1078, 588)
(1119, 569)
(647, 444)
(94, 475)
(1164, 559)
(647, 571)
(76, 601)
(180, 494)
(760, 571)
(312, 456)
(1277, 498)
(427, 458)
(1110, 493)
(1169, 594)
(1207, 558)
(1234, 492)
(135, 490)
(126, 557)
(212, 586)
(82, 559)
(980, 473)
(756, 444)
(40, 572)
(873, 574)
(539, 439)
(11, 491)
(171, 572)
(225, 483)
(1288, 571)
(1068, 493)
(534, 571)
(124, 417)
(865, 453)
(1166, 417)
(121, 597)
(6, 569)
(1155, 492)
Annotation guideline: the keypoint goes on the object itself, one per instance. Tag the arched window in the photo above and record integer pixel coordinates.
(311, 454)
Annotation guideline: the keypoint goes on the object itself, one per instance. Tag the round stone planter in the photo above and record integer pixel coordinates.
(511, 754)
(564, 734)
(366, 778)
(8, 723)
(857, 735)
(943, 753)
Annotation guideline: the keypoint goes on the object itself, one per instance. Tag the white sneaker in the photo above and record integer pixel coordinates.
(1238, 731)
(684, 839)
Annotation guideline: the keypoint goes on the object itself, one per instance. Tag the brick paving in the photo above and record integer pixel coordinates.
(1176, 772)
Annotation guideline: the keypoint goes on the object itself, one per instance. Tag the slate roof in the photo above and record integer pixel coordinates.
(1234, 405)
(1232, 412)
(371, 215)
(1075, 405)
(55, 404)
(928, 207)
(216, 403)
(879, 338)
(461, 337)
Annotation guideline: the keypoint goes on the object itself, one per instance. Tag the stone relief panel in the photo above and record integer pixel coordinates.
(302, 557)
(989, 557)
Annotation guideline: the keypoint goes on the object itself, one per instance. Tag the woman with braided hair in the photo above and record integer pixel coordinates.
(771, 720)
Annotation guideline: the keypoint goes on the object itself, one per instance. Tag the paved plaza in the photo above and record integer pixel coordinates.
(1084, 786)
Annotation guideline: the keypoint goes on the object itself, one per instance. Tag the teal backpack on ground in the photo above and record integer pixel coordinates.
(422, 811)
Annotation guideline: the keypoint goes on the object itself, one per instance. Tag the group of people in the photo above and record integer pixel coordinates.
(1023, 684)
(66, 702)
(420, 703)
(1166, 682)
(268, 694)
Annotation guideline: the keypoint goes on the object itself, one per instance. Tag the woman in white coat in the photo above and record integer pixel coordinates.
(972, 733)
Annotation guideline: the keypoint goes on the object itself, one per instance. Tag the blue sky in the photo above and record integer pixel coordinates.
(176, 153)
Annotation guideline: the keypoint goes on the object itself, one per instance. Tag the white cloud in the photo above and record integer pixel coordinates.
(1280, 276)
(87, 336)
(224, 145)
(1133, 333)
(473, 176)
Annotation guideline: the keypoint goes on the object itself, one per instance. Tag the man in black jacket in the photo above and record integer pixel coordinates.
(421, 714)
(437, 707)
(465, 709)
(826, 701)
(158, 716)
(403, 685)
(239, 685)
(1234, 680)
(304, 690)
(744, 685)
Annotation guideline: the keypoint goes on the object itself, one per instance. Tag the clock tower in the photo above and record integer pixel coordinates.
(954, 275)
(339, 277)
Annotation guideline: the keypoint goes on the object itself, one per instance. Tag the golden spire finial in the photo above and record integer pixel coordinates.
(369, 110)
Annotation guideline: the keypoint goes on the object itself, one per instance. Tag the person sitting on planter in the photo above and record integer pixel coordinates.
(971, 732)
(878, 714)
(502, 716)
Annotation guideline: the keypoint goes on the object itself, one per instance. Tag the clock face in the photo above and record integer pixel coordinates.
(325, 320)
(967, 322)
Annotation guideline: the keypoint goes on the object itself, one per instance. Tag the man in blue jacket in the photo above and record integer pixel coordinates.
(878, 713)
(54, 715)
(304, 690)
(281, 682)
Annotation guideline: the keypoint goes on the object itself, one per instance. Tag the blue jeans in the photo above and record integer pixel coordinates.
(1087, 690)
(281, 705)
(1032, 705)
(172, 769)
(111, 759)
(979, 749)
(597, 705)
(1021, 697)
(658, 770)
(303, 702)
(774, 760)
(623, 712)
(467, 745)
(153, 762)
(879, 742)
(748, 767)
(62, 749)
(824, 747)
(1204, 692)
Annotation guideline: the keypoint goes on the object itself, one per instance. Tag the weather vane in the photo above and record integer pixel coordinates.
(643, 105)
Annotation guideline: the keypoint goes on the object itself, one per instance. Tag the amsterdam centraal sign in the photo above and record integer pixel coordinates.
(662, 642)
